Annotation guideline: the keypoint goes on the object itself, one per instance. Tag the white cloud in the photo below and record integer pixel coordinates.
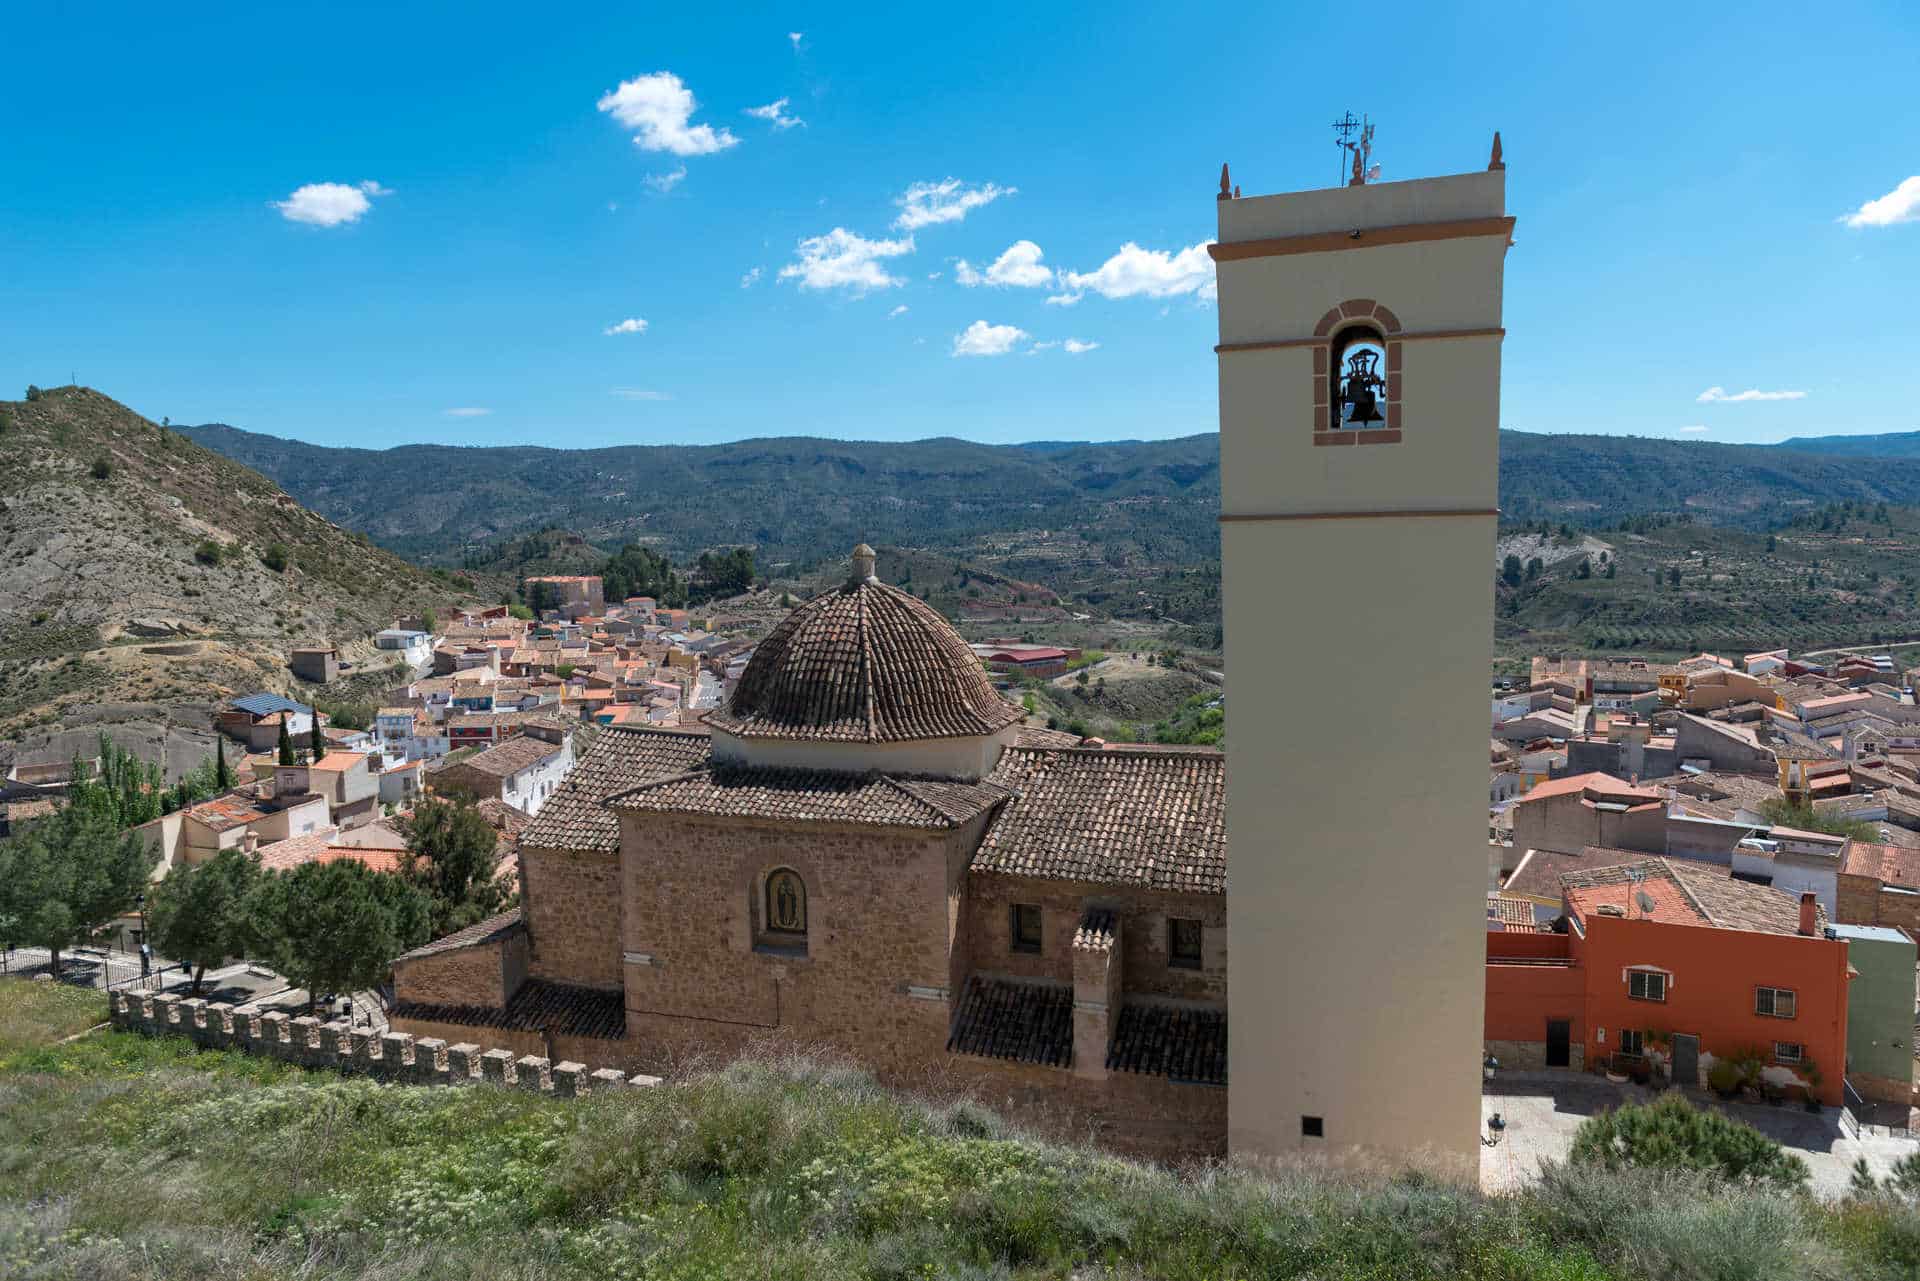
(660, 108)
(1075, 347)
(926, 203)
(329, 204)
(665, 182)
(842, 260)
(1902, 204)
(1019, 267)
(638, 393)
(751, 279)
(933, 275)
(897, 312)
(796, 37)
(467, 411)
(1136, 272)
(631, 325)
(775, 114)
(1720, 395)
(1696, 428)
(982, 339)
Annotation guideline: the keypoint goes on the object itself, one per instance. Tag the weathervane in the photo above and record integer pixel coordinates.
(1361, 151)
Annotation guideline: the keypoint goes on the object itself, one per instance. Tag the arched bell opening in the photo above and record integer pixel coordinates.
(1358, 362)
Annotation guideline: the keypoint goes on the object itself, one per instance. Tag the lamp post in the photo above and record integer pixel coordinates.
(1496, 1124)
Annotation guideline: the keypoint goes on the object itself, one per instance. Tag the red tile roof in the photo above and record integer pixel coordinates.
(1604, 786)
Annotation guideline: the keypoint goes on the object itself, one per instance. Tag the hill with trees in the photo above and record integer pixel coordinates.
(144, 576)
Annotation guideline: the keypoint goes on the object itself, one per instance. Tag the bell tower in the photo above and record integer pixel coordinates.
(1359, 357)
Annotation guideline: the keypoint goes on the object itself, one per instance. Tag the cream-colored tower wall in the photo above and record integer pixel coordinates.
(1358, 637)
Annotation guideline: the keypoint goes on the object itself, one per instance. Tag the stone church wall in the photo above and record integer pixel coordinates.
(1143, 939)
(871, 978)
(572, 904)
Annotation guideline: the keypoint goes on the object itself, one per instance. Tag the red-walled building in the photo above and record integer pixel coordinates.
(1674, 962)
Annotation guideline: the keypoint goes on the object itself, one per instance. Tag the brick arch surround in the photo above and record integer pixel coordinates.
(1357, 311)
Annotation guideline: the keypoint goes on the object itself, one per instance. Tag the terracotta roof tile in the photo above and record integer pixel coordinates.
(1096, 931)
(865, 663)
(515, 754)
(1021, 1021)
(487, 931)
(1889, 864)
(1125, 815)
(813, 796)
(1686, 893)
(618, 759)
(1182, 1043)
(538, 1006)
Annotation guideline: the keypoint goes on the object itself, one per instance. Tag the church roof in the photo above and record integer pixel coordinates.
(1131, 815)
(575, 817)
(813, 796)
(864, 663)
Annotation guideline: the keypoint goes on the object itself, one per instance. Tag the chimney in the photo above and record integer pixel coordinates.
(1809, 914)
(251, 842)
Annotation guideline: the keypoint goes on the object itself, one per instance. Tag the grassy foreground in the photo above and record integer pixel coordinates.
(124, 1157)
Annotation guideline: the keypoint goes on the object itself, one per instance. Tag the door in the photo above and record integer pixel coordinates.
(1558, 1036)
(1686, 1059)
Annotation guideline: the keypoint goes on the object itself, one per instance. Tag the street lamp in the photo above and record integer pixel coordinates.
(1489, 1067)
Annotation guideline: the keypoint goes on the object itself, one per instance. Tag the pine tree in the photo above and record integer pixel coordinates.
(450, 856)
(68, 875)
(197, 914)
(335, 927)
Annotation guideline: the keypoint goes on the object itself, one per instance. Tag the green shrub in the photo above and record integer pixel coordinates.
(102, 467)
(208, 552)
(1671, 1133)
(275, 557)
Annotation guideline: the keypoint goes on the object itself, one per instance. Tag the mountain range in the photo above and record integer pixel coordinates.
(800, 499)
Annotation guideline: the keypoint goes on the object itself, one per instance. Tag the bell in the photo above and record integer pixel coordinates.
(1363, 407)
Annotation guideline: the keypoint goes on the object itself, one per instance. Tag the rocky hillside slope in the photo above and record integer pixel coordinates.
(143, 577)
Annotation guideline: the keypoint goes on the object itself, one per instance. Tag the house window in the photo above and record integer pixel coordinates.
(1774, 1002)
(1025, 927)
(1183, 942)
(1647, 985)
(1788, 1052)
(1632, 1041)
(1313, 1127)
(786, 903)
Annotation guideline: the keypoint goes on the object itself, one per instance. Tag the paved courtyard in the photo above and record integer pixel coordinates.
(1542, 1110)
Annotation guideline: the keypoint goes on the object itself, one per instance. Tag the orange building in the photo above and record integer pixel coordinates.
(1674, 964)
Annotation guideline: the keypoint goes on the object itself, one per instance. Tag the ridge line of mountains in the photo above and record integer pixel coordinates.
(800, 499)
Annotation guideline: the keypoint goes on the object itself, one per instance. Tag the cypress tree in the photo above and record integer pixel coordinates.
(316, 742)
(286, 744)
(222, 777)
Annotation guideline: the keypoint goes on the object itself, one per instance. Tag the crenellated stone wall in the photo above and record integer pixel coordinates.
(391, 1056)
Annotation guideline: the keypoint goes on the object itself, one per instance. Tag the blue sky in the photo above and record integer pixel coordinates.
(345, 224)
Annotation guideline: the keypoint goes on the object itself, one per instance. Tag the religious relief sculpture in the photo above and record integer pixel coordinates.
(786, 903)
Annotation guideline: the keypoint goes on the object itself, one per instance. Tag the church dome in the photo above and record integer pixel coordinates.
(864, 663)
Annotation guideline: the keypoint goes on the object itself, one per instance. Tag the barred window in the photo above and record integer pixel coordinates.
(1774, 1002)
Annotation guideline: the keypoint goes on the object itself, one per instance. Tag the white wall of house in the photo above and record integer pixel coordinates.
(529, 789)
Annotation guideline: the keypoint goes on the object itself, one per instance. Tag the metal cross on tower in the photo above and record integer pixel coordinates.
(1360, 151)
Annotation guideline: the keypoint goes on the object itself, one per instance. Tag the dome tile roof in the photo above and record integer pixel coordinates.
(864, 663)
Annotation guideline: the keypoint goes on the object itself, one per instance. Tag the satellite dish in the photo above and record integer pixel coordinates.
(1645, 900)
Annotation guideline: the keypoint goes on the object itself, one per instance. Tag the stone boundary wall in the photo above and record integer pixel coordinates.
(389, 1056)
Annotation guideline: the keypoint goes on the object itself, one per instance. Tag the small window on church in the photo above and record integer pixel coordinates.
(1026, 927)
(786, 903)
(1359, 365)
(1183, 943)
